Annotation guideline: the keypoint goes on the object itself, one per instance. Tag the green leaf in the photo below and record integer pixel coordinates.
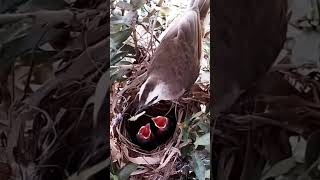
(199, 167)
(127, 170)
(116, 39)
(115, 58)
(118, 74)
(100, 94)
(280, 168)
(203, 140)
(205, 127)
(113, 176)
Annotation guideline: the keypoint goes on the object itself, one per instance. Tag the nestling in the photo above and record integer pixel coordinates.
(144, 134)
(162, 123)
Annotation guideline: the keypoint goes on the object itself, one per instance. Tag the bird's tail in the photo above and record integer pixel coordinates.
(203, 6)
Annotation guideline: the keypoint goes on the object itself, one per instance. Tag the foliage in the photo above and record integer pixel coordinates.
(136, 28)
(53, 71)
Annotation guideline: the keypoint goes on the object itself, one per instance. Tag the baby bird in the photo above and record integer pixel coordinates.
(163, 124)
(144, 135)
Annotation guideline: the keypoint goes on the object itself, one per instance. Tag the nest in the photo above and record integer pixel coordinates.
(154, 162)
(161, 161)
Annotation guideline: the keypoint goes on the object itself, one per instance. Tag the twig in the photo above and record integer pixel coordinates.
(146, 29)
(134, 36)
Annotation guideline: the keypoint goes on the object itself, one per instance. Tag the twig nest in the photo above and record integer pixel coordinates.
(157, 159)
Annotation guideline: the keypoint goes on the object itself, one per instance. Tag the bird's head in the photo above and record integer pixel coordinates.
(153, 91)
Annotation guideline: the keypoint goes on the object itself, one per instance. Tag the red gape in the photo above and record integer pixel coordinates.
(160, 122)
(163, 124)
(145, 131)
(144, 134)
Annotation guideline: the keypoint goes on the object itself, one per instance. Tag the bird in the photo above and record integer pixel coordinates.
(145, 135)
(162, 124)
(175, 65)
(248, 36)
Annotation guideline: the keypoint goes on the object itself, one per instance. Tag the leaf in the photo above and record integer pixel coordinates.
(100, 94)
(298, 148)
(137, 4)
(9, 4)
(134, 118)
(203, 140)
(36, 37)
(117, 57)
(118, 75)
(113, 176)
(204, 126)
(300, 9)
(39, 57)
(116, 39)
(207, 174)
(313, 148)
(124, 5)
(13, 31)
(127, 170)
(165, 11)
(280, 168)
(307, 48)
(199, 167)
(197, 115)
(122, 20)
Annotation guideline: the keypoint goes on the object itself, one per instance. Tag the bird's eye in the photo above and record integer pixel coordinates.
(154, 98)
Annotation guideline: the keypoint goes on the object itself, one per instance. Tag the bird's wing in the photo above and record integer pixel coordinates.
(181, 42)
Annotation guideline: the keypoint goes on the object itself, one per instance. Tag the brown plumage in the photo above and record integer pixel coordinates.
(175, 64)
